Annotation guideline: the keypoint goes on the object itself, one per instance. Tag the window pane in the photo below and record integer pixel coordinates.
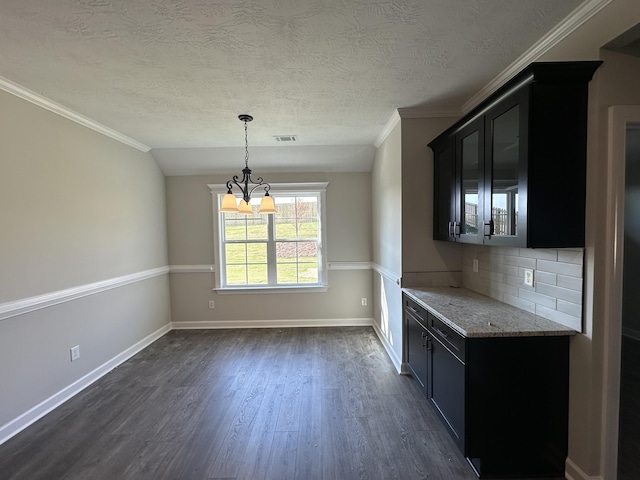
(236, 253)
(257, 274)
(308, 228)
(236, 274)
(257, 227)
(297, 217)
(308, 273)
(286, 252)
(285, 228)
(287, 273)
(235, 227)
(257, 253)
(307, 252)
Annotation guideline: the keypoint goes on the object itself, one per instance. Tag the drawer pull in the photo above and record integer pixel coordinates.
(441, 333)
(445, 336)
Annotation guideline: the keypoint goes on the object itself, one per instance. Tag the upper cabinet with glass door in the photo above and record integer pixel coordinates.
(520, 168)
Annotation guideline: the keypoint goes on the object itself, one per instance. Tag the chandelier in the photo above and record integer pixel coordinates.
(247, 185)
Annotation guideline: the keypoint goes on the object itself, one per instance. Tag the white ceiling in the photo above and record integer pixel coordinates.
(174, 74)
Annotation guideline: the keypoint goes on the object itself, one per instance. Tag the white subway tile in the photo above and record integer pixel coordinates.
(571, 283)
(520, 261)
(506, 269)
(570, 308)
(537, 298)
(546, 277)
(560, 293)
(540, 253)
(568, 269)
(571, 256)
(520, 303)
(559, 317)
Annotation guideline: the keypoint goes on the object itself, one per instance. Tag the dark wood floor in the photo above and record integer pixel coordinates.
(629, 435)
(243, 404)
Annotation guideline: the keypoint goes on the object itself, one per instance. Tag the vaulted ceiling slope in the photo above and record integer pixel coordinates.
(176, 73)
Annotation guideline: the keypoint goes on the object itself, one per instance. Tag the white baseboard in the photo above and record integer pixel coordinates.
(310, 322)
(23, 421)
(574, 472)
(389, 348)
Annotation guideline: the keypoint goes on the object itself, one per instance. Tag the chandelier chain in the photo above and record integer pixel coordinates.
(246, 146)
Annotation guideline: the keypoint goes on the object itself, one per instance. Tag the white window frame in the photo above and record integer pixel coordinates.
(300, 189)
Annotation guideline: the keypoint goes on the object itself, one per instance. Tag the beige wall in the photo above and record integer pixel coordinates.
(386, 185)
(75, 208)
(191, 242)
(422, 257)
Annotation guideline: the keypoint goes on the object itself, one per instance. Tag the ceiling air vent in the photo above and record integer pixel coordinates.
(285, 138)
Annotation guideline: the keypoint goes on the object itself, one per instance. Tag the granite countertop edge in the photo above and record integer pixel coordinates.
(482, 316)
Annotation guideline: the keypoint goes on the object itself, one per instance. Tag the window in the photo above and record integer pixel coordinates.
(281, 250)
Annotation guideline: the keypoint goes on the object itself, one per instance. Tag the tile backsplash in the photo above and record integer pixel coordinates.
(557, 290)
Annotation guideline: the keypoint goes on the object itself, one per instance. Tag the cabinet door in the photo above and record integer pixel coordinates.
(446, 388)
(505, 174)
(416, 349)
(444, 170)
(469, 201)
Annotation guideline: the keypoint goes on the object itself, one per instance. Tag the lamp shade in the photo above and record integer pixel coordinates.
(267, 205)
(245, 208)
(229, 203)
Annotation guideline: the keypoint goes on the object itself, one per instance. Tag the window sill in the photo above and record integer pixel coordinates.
(263, 290)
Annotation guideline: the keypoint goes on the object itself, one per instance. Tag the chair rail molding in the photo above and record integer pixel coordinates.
(30, 304)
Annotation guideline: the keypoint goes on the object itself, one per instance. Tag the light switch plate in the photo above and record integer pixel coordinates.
(528, 277)
(475, 265)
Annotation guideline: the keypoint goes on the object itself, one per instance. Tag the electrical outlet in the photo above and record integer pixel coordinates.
(212, 304)
(475, 265)
(75, 353)
(528, 277)
(364, 302)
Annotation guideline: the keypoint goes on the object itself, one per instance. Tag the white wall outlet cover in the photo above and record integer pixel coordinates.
(75, 353)
(528, 277)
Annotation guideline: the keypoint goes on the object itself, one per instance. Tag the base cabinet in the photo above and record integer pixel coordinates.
(504, 400)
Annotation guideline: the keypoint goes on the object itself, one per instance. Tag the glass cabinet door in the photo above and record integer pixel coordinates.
(445, 190)
(470, 147)
(503, 173)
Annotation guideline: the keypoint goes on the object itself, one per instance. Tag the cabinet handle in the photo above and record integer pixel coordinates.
(425, 341)
(456, 229)
(451, 229)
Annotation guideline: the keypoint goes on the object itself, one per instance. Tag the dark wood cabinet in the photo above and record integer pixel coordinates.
(415, 319)
(518, 163)
(446, 380)
(504, 400)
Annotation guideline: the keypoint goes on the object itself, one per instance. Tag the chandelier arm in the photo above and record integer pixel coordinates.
(266, 186)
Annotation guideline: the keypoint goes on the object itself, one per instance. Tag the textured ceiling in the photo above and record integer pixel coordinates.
(172, 73)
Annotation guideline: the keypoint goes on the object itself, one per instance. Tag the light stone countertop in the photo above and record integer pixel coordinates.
(475, 315)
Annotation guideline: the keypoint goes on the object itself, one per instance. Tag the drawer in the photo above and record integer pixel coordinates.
(416, 311)
(451, 339)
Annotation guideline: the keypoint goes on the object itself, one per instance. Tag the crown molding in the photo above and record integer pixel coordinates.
(572, 22)
(41, 101)
(391, 124)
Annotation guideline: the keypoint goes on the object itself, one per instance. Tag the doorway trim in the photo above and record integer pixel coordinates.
(619, 118)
